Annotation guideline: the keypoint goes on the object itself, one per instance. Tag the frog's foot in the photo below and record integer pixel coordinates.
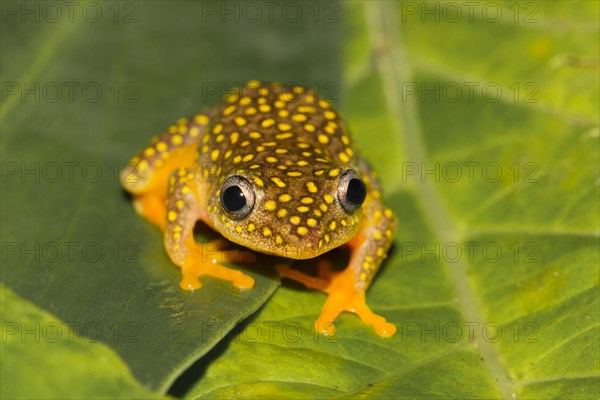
(343, 296)
(200, 262)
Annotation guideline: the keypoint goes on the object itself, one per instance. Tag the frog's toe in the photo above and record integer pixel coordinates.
(190, 282)
(243, 282)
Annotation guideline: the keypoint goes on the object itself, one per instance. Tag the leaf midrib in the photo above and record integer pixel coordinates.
(391, 60)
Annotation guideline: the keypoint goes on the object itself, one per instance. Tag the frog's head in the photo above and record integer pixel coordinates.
(295, 215)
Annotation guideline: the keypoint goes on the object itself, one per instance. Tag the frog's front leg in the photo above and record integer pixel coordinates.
(347, 288)
(184, 208)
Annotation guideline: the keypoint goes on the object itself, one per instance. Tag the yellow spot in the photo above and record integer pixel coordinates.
(332, 225)
(176, 140)
(233, 138)
(343, 157)
(264, 108)
(380, 252)
(229, 110)
(269, 144)
(186, 190)
(306, 153)
(330, 129)
(266, 231)
(319, 172)
(388, 213)
(248, 157)
(286, 135)
(217, 129)
(214, 155)
(307, 109)
(250, 111)
(323, 207)
(268, 123)
(240, 121)
(309, 98)
(333, 172)
(326, 237)
(282, 213)
(344, 223)
(328, 198)
(284, 127)
(271, 159)
(323, 104)
(284, 198)
(329, 114)
(262, 100)
(345, 140)
(295, 220)
(302, 230)
(258, 181)
(311, 222)
(303, 145)
(388, 233)
(307, 200)
(323, 139)
(260, 148)
(299, 117)
(377, 234)
(278, 182)
(237, 159)
(282, 167)
(254, 166)
(245, 143)
(254, 135)
(238, 228)
(283, 113)
(179, 204)
(149, 152)
(201, 119)
(143, 165)
(298, 89)
(251, 227)
(278, 239)
(161, 146)
(362, 276)
(302, 209)
(270, 205)
(317, 213)
(232, 98)
(349, 151)
(244, 101)
(302, 163)
(294, 173)
(279, 104)
(309, 128)
(171, 216)
(312, 188)
(228, 153)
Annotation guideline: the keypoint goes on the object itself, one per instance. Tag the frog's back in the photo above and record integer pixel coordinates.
(278, 128)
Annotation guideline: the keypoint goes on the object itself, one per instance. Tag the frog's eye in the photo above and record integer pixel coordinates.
(351, 191)
(237, 197)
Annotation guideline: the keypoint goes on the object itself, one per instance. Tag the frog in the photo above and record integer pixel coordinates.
(272, 168)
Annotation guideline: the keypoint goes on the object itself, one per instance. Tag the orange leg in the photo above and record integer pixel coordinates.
(196, 260)
(346, 289)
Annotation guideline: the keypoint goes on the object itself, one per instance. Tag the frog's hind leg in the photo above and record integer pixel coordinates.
(146, 175)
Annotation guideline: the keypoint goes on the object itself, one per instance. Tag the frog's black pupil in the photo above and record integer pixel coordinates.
(356, 191)
(233, 198)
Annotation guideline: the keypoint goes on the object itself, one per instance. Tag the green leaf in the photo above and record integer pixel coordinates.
(493, 281)
(28, 332)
